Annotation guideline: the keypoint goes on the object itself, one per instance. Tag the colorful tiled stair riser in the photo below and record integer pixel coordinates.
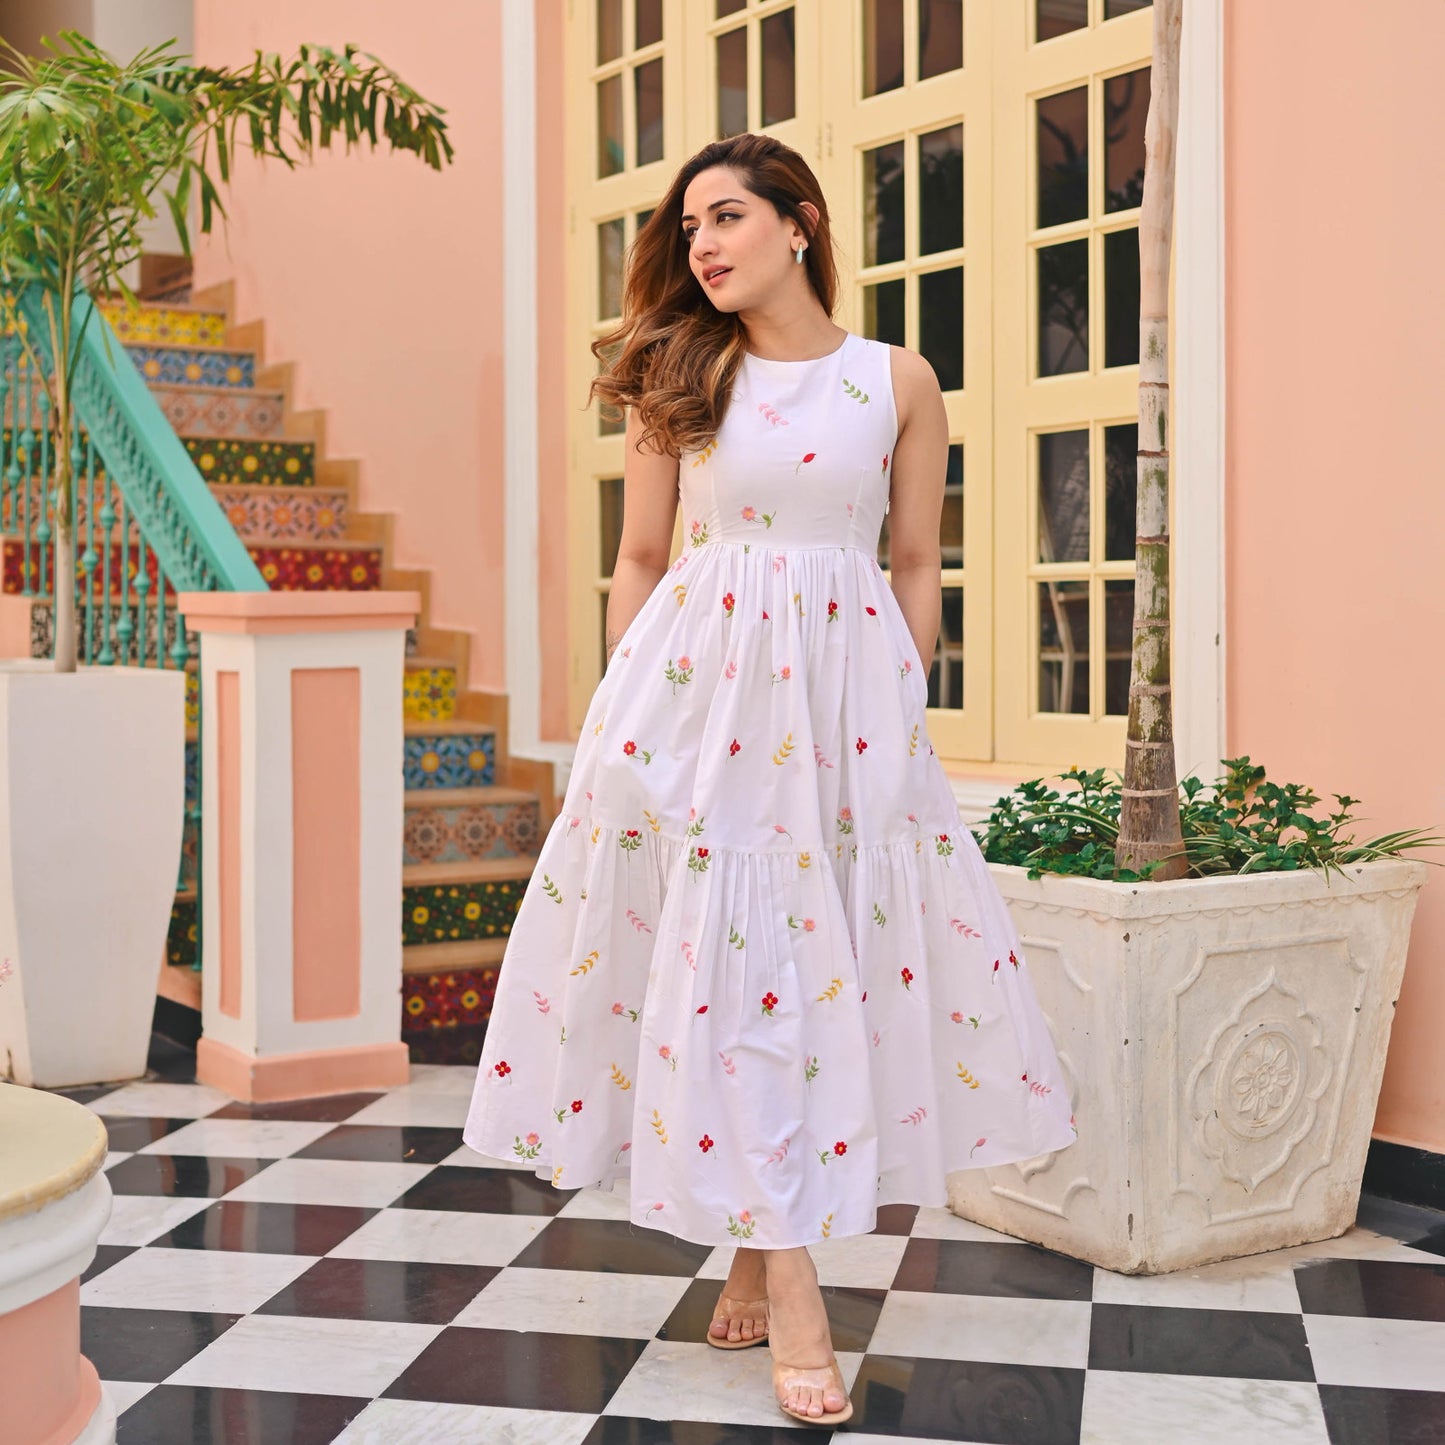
(450, 912)
(253, 463)
(447, 1001)
(444, 761)
(468, 834)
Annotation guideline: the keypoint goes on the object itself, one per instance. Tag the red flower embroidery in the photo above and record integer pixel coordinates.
(907, 977)
(804, 462)
(704, 1143)
(860, 745)
(733, 747)
(871, 611)
(943, 838)
(1012, 959)
(885, 461)
(727, 601)
(703, 1009)
(832, 609)
(770, 1002)
(576, 1106)
(503, 1069)
(702, 852)
(629, 748)
(840, 1148)
(765, 616)
(633, 833)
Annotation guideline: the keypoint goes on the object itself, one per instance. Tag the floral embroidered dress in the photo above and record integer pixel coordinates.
(761, 964)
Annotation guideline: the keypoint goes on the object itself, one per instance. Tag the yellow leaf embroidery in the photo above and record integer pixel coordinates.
(831, 992)
(798, 602)
(620, 1079)
(652, 821)
(805, 860)
(680, 592)
(917, 846)
(967, 1077)
(705, 453)
(586, 965)
(913, 742)
(596, 833)
(597, 731)
(828, 1226)
(784, 752)
(657, 1126)
(557, 1173)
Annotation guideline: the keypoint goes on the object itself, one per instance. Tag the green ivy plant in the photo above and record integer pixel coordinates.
(1240, 823)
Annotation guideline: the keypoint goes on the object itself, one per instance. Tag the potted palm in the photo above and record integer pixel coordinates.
(92, 776)
(1219, 974)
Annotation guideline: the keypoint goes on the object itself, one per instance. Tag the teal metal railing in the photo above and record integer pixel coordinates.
(145, 525)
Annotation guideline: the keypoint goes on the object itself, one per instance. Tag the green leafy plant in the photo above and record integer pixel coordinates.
(90, 148)
(1240, 823)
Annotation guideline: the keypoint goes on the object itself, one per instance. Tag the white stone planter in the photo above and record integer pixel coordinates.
(92, 790)
(1224, 1039)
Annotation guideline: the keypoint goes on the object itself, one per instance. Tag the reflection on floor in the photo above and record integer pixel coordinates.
(347, 1270)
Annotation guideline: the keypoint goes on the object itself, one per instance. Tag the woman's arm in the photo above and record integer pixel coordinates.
(649, 514)
(915, 504)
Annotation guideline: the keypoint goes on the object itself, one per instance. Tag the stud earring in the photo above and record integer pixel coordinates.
(799, 256)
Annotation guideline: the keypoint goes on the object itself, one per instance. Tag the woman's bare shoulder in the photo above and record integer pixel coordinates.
(914, 381)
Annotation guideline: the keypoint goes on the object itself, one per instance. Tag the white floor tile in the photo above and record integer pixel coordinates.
(1259, 1282)
(984, 1327)
(611, 1203)
(194, 1279)
(467, 1158)
(673, 1381)
(1125, 1408)
(330, 1181)
(1390, 1354)
(114, 1156)
(240, 1138)
(945, 1224)
(1353, 1244)
(161, 1101)
(140, 1218)
(575, 1302)
(423, 1106)
(440, 1079)
(286, 1353)
(124, 1393)
(387, 1422)
(441, 1236)
(857, 1261)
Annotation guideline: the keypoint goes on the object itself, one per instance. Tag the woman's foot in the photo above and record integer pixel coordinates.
(741, 1316)
(806, 1379)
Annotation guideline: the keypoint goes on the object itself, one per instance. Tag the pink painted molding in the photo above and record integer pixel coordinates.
(308, 1074)
(278, 612)
(51, 1390)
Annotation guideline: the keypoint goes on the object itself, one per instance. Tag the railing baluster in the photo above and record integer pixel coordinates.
(142, 592)
(107, 521)
(27, 446)
(44, 496)
(124, 627)
(88, 557)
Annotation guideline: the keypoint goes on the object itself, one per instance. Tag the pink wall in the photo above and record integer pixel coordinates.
(382, 280)
(1334, 511)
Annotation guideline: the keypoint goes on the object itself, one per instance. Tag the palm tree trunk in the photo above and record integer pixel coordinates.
(1149, 808)
(59, 313)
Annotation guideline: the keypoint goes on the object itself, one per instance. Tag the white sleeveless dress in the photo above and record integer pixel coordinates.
(761, 965)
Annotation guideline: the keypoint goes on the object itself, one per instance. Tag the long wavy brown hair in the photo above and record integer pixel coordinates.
(674, 356)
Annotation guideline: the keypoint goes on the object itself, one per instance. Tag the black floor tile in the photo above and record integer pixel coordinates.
(1373, 1289)
(384, 1143)
(852, 1314)
(1236, 1344)
(182, 1176)
(611, 1246)
(196, 1415)
(382, 1289)
(170, 1062)
(1432, 1242)
(129, 1132)
(461, 1046)
(1017, 1271)
(237, 1224)
(329, 1110)
(625, 1430)
(140, 1344)
(86, 1093)
(1356, 1416)
(517, 1369)
(967, 1400)
(105, 1256)
(484, 1191)
(896, 1219)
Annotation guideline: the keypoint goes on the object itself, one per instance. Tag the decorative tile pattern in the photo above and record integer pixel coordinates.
(355, 568)
(446, 912)
(182, 943)
(165, 325)
(102, 617)
(262, 514)
(449, 1297)
(449, 760)
(208, 411)
(195, 366)
(124, 563)
(429, 694)
(463, 997)
(451, 833)
(237, 462)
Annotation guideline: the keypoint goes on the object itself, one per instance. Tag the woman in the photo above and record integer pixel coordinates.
(761, 965)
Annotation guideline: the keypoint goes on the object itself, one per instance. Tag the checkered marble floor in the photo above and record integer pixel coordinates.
(346, 1269)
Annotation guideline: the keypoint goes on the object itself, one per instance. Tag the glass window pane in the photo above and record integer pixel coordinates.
(1064, 496)
(611, 420)
(648, 28)
(945, 671)
(883, 312)
(1058, 17)
(883, 182)
(1115, 8)
(1118, 643)
(648, 79)
(950, 525)
(730, 7)
(732, 82)
(643, 217)
(1063, 647)
(609, 30)
(1063, 308)
(609, 126)
(1121, 298)
(609, 510)
(1063, 146)
(882, 46)
(1121, 491)
(1126, 107)
(940, 37)
(779, 93)
(610, 241)
(940, 324)
(940, 190)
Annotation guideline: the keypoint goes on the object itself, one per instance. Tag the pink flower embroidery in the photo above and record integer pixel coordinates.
(683, 663)
(809, 925)
(533, 1140)
(664, 1052)
(617, 1008)
(749, 513)
(978, 1145)
(745, 1217)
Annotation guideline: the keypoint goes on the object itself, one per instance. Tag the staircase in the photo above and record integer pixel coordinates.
(474, 816)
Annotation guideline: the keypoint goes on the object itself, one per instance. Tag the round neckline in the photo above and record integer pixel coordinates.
(803, 361)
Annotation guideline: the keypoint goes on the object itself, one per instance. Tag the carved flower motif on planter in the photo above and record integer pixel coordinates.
(1265, 1075)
